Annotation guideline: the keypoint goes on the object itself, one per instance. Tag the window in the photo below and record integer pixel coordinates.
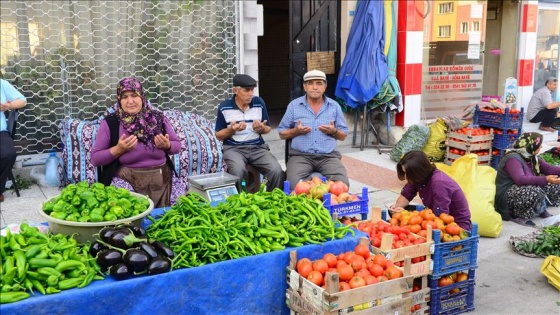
(446, 8)
(476, 26)
(444, 31)
(464, 27)
(9, 42)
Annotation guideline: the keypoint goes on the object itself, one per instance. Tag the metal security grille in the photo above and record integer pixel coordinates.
(67, 56)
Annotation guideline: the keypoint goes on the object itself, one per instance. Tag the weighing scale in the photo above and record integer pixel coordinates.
(214, 187)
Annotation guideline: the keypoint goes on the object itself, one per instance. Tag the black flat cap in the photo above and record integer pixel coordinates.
(244, 80)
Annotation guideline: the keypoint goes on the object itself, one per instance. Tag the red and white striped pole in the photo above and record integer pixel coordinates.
(527, 50)
(409, 60)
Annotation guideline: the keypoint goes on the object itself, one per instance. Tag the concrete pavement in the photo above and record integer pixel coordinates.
(506, 283)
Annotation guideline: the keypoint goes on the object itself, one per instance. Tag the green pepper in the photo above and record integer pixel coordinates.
(33, 250)
(94, 217)
(98, 211)
(117, 211)
(59, 206)
(92, 202)
(123, 192)
(10, 297)
(100, 195)
(139, 207)
(48, 206)
(82, 184)
(85, 212)
(72, 217)
(109, 217)
(125, 203)
(97, 185)
(21, 263)
(84, 218)
(69, 283)
(51, 290)
(9, 276)
(59, 215)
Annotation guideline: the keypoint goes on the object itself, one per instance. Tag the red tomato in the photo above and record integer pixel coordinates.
(301, 261)
(380, 260)
(345, 272)
(320, 265)
(315, 277)
(376, 270)
(370, 280)
(357, 282)
(343, 286)
(305, 268)
(330, 259)
(362, 250)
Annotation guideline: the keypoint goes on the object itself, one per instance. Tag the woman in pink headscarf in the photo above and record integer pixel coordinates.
(135, 143)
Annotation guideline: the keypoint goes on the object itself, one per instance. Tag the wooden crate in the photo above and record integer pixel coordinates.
(421, 297)
(469, 144)
(400, 254)
(413, 251)
(305, 297)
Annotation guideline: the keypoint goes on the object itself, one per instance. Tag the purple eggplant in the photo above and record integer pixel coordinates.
(120, 271)
(95, 248)
(136, 230)
(124, 238)
(106, 233)
(163, 249)
(108, 257)
(149, 249)
(136, 260)
(159, 265)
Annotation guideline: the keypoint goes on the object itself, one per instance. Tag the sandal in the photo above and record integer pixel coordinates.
(523, 222)
(545, 214)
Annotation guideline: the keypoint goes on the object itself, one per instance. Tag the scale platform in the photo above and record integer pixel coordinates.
(214, 187)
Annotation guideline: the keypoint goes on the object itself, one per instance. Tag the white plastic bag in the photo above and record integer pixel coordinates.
(553, 220)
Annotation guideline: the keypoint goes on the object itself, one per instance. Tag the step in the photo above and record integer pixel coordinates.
(548, 136)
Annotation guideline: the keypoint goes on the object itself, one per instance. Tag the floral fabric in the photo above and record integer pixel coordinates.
(528, 202)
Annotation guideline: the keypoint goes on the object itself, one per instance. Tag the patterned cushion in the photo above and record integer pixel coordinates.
(201, 151)
(77, 142)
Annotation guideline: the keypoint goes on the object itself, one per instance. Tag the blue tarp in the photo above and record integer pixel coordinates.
(364, 69)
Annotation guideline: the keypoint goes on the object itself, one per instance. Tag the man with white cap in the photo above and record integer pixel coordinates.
(241, 121)
(314, 122)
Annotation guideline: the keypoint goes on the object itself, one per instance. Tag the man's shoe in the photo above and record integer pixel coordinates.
(546, 128)
(1, 197)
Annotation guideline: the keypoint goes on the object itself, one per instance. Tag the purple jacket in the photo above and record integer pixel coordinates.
(139, 157)
(442, 192)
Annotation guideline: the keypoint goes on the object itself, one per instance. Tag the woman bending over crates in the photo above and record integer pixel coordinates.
(437, 190)
(525, 184)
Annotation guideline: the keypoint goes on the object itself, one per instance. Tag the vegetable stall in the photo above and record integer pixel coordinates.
(230, 258)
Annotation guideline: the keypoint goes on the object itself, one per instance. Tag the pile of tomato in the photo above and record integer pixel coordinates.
(418, 221)
(500, 110)
(470, 131)
(355, 268)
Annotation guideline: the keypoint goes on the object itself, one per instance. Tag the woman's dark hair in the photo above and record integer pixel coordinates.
(417, 168)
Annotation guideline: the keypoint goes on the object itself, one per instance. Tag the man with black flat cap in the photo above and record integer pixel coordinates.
(240, 123)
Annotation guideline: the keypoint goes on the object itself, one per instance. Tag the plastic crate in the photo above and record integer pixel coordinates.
(497, 158)
(343, 209)
(444, 302)
(505, 141)
(349, 208)
(499, 120)
(455, 256)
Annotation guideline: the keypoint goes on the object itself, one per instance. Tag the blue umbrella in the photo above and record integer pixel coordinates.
(364, 69)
